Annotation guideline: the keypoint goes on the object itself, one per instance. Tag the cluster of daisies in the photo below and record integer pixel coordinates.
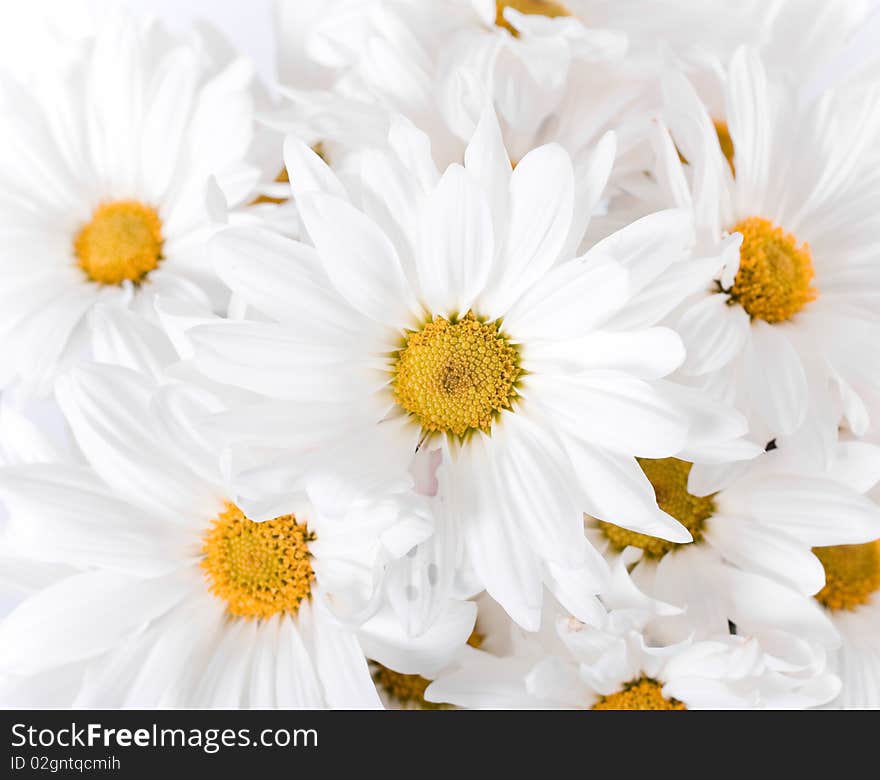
(513, 355)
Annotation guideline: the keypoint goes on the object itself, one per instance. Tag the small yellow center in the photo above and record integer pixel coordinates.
(123, 241)
(669, 476)
(455, 376)
(726, 142)
(641, 694)
(532, 7)
(258, 569)
(852, 574)
(775, 277)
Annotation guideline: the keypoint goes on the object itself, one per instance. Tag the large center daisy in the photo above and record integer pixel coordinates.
(258, 569)
(775, 277)
(852, 574)
(534, 7)
(456, 375)
(641, 694)
(123, 241)
(669, 477)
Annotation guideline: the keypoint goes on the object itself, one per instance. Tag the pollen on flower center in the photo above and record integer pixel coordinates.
(669, 476)
(258, 569)
(122, 241)
(775, 277)
(455, 376)
(641, 694)
(534, 7)
(852, 574)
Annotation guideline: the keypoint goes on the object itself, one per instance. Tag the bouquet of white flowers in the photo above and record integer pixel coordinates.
(500, 355)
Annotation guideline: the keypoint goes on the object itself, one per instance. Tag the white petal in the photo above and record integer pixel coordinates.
(541, 204)
(297, 684)
(80, 617)
(817, 511)
(307, 171)
(384, 639)
(713, 333)
(67, 515)
(617, 491)
(457, 244)
(614, 411)
(755, 547)
(569, 301)
(341, 665)
(777, 383)
(360, 260)
(496, 546)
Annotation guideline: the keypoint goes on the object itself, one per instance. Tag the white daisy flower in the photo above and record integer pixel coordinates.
(756, 528)
(789, 313)
(445, 316)
(178, 598)
(851, 594)
(455, 55)
(105, 165)
(614, 664)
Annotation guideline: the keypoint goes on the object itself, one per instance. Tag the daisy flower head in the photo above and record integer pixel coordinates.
(758, 530)
(783, 324)
(173, 596)
(444, 317)
(851, 594)
(105, 162)
(615, 662)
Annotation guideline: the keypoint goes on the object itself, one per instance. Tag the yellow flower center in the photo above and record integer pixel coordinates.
(775, 277)
(455, 376)
(407, 690)
(281, 178)
(725, 141)
(669, 476)
(258, 569)
(122, 241)
(533, 7)
(641, 694)
(852, 574)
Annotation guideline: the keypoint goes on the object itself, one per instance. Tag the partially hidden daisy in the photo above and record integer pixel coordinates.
(785, 324)
(174, 597)
(851, 594)
(617, 663)
(105, 162)
(444, 317)
(758, 531)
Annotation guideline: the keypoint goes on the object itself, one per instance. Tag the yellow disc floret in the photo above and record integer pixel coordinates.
(669, 476)
(852, 574)
(258, 569)
(533, 7)
(406, 690)
(641, 694)
(455, 376)
(123, 241)
(775, 277)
